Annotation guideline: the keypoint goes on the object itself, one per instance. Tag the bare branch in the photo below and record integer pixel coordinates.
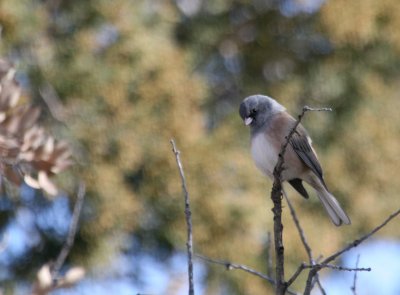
(354, 244)
(321, 288)
(71, 234)
(278, 231)
(307, 108)
(357, 242)
(276, 196)
(305, 244)
(188, 214)
(296, 273)
(299, 228)
(354, 287)
(48, 275)
(337, 267)
(229, 266)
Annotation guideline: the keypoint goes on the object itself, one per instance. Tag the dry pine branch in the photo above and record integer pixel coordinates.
(28, 154)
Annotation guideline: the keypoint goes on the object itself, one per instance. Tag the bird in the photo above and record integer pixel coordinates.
(270, 125)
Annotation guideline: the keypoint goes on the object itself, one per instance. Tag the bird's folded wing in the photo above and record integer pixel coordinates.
(303, 149)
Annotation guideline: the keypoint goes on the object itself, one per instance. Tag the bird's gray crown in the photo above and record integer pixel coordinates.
(255, 110)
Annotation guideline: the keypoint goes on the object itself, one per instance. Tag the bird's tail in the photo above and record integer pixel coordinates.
(332, 207)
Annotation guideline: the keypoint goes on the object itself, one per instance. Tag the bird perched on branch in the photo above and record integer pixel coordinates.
(270, 125)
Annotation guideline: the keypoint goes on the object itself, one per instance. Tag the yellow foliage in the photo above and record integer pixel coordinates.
(362, 22)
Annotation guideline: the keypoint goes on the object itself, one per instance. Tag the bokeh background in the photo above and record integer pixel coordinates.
(129, 75)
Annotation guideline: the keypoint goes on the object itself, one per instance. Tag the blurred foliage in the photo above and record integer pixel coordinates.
(133, 74)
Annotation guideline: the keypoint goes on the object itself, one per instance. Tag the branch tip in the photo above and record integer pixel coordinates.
(188, 214)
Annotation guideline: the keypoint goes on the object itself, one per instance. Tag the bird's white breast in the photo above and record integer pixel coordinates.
(264, 154)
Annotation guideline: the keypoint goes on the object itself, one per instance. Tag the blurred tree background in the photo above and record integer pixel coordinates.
(120, 78)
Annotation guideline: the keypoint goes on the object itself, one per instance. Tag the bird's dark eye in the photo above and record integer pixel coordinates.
(253, 112)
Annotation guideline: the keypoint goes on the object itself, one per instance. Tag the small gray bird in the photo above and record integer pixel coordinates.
(270, 124)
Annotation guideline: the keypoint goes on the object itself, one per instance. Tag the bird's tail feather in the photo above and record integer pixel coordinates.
(332, 207)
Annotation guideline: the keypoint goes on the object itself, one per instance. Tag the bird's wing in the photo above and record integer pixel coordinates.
(301, 145)
(298, 186)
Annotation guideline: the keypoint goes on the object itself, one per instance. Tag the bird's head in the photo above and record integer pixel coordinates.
(255, 110)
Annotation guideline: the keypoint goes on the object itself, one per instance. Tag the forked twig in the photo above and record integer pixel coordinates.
(305, 244)
(229, 266)
(354, 287)
(353, 244)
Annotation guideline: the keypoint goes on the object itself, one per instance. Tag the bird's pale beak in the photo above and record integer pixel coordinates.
(248, 121)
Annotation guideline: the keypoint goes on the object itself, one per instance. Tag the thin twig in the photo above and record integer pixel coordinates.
(357, 242)
(305, 244)
(296, 273)
(276, 196)
(299, 228)
(321, 288)
(304, 266)
(71, 233)
(188, 214)
(337, 267)
(229, 266)
(354, 287)
(353, 244)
